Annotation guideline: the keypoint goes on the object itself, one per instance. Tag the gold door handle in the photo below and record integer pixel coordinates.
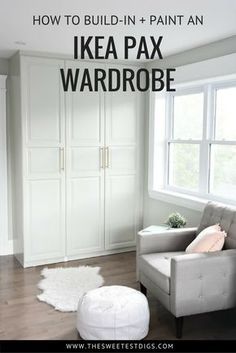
(101, 157)
(107, 163)
(62, 158)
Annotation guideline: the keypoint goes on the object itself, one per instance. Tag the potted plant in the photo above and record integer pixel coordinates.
(175, 220)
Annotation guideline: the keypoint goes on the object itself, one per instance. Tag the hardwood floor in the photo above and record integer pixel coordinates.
(22, 316)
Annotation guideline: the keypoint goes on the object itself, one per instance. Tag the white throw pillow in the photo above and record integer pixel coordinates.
(209, 239)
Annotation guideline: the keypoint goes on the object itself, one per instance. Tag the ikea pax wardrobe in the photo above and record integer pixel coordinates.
(77, 165)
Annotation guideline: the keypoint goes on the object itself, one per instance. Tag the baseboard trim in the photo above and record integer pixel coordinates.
(75, 257)
(100, 253)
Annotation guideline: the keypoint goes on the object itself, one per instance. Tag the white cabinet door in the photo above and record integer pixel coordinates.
(85, 175)
(44, 142)
(122, 183)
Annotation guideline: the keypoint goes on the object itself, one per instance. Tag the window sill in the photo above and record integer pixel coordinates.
(188, 201)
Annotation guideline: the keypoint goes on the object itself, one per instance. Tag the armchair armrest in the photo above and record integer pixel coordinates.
(203, 282)
(171, 240)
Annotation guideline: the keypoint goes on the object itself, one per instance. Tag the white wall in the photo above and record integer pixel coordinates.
(8, 246)
(155, 211)
(3, 66)
(4, 249)
(4, 69)
(213, 50)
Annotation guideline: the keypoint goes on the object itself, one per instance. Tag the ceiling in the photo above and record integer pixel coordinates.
(18, 33)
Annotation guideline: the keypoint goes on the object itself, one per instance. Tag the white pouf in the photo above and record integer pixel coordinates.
(113, 313)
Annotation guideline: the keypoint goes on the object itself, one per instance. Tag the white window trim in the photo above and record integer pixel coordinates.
(176, 195)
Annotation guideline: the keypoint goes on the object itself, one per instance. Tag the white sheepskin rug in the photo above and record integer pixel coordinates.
(63, 287)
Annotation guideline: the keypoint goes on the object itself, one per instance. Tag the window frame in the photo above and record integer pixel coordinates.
(170, 136)
(170, 192)
(217, 142)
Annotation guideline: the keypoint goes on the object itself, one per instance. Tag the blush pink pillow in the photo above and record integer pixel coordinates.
(209, 239)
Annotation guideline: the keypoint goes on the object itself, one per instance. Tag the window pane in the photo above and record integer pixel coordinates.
(188, 116)
(226, 113)
(184, 166)
(223, 171)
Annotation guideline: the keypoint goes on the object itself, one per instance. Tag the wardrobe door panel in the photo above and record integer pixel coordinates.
(122, 196)
(44, 160)
(85, 215)
(45, 225)
(85, 161)
(122, 159)
(120, 211)
(122, 127)
(44, 93)
(85, 118)
(85, 173)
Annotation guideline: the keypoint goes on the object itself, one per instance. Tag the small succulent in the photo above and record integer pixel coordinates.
(175, 220)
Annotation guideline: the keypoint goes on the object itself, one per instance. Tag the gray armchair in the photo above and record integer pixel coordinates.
(188, 284)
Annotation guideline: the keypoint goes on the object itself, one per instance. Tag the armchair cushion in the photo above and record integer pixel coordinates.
(210, 239)
(156, 267)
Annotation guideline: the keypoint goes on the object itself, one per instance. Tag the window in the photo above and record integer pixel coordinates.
(199, 142)
(184, 139)
(223, 144)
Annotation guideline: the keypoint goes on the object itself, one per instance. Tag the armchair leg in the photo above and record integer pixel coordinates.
(179, 326)
(143, 289)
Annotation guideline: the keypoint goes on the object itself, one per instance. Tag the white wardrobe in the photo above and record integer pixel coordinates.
(77, 165)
